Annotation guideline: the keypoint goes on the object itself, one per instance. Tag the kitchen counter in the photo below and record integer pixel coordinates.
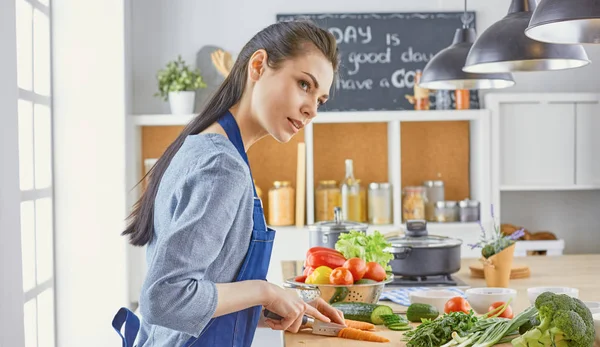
(579, 271)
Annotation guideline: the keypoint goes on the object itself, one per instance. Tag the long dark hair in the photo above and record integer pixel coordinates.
(281, 41)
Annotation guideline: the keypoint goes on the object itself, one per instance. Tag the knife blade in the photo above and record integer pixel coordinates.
(318, 327)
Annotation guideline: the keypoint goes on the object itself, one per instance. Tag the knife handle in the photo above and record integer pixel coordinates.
(275, 316)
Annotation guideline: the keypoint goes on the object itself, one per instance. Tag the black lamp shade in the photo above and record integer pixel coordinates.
(566, 21)
(504, 47)
(444, 70)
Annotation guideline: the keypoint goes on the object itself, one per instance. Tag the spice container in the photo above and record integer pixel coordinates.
(413, 203)
(434, 191)
(445, 211)
(469, 210)
(362, 193)
(327, 197)
(380, 203)
(281, 204)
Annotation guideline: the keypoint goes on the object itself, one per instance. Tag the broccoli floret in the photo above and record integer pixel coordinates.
(564, 322)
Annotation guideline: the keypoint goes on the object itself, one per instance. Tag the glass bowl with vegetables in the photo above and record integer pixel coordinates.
(357, 270)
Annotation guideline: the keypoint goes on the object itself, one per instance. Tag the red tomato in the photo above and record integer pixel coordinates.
(357, 267)
(319, 249)
(375, 272)
(341, 275)
(307, 271)
(325, 258)
(508, 312)
(457, 304)
(300, 278)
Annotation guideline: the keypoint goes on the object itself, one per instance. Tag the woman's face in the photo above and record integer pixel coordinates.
(286, 99)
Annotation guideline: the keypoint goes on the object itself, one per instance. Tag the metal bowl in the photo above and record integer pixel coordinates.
(368, 293)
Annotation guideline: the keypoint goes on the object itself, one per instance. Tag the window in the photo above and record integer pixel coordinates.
(35, 167)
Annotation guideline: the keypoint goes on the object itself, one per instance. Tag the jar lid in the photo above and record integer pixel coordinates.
(427, 241)
(430, 184)
(278, 184)
(328, 182)
(468, 203)
(414, 189)
(376, 185)
(451, 204)
(444, 204)
(337, 225)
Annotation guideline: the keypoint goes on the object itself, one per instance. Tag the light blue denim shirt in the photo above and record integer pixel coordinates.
(202, 229)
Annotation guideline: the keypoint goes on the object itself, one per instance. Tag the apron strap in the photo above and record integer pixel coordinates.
(132, 326)
(233, 132)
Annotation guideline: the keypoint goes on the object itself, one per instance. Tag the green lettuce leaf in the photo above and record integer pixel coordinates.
(367, 247)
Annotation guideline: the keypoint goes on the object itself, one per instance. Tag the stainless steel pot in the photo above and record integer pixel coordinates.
(419, 254)
(326, 234)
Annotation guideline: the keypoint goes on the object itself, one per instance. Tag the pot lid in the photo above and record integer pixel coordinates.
(417, 237)
(338, 225)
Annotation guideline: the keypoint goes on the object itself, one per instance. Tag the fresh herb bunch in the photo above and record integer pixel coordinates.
(178, 77)
(497, 241)
(434, 333)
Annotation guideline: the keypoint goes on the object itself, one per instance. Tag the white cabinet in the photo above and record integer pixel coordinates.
(588, 144)
(545, 141)
(537, 143)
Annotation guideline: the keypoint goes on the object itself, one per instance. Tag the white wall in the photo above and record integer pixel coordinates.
(11, 283)
(162, 29)
(572, 216)
(90, 192)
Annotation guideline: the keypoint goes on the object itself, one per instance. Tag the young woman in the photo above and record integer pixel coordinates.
(208, 243)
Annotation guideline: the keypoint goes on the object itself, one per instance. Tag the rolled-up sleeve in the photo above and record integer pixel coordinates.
(175, 293)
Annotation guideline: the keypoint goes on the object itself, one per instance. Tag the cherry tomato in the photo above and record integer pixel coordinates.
(325, 258)
(301, 279)
(375, 272)
(319, 249)
(508, 312)
(457, 304)
(357, 267)
(341, 275)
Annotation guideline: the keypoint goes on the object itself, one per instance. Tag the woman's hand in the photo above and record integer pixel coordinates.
(291, 307)
(334, 314)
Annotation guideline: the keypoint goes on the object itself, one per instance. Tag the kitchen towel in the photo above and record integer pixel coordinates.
(401, 296)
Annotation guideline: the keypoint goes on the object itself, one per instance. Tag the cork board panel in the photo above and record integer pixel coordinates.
(436, 150)
(365, 143)
(273, 161)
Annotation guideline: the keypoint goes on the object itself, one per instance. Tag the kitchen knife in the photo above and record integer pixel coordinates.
(318, 327)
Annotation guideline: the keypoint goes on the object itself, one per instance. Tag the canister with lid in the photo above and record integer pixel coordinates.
(469, 210)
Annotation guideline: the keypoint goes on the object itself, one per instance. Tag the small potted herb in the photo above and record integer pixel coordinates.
(177, 83)
(497, 253)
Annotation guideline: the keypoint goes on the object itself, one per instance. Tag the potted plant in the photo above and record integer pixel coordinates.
(177, 83)
(497, 253)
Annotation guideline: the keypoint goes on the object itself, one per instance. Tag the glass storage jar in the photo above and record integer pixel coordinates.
(327, 197)
(469, 210)
(281, 204)
(445, 211)
(380, 203)
(413, 203)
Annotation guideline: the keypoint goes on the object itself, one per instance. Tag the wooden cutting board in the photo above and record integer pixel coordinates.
(517, 271)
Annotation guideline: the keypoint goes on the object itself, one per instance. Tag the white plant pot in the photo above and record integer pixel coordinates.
(182, 102)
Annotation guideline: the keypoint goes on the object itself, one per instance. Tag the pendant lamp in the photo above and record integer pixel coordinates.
(504, 47)
(444, 70)
(567, 22)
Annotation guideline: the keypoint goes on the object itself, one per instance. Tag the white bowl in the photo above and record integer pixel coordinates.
(597, 326)
(482, 298)
(433, 297)
(532, 293)
(594, 306)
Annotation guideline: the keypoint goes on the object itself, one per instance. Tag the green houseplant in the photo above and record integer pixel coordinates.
(177, 83)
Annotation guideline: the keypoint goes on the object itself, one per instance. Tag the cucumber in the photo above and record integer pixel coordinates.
(360, 311)
(365, 281)
(339, 295)
(394, 319)
(417, 312)
(399, 327)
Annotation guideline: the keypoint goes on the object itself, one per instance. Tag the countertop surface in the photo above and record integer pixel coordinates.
(579, 271)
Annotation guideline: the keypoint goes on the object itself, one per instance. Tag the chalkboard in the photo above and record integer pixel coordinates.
(380, 54)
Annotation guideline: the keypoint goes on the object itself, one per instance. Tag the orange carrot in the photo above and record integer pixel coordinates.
(356, 334)
(359, 325)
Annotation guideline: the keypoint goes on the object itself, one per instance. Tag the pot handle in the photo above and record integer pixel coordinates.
(403, 254)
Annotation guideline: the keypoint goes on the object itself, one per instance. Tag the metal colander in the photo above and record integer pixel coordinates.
(368, 293)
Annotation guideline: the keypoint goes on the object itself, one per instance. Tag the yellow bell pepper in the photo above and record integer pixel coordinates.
(319, 276)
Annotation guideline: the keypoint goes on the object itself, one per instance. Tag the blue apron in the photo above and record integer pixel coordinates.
(234, 329)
